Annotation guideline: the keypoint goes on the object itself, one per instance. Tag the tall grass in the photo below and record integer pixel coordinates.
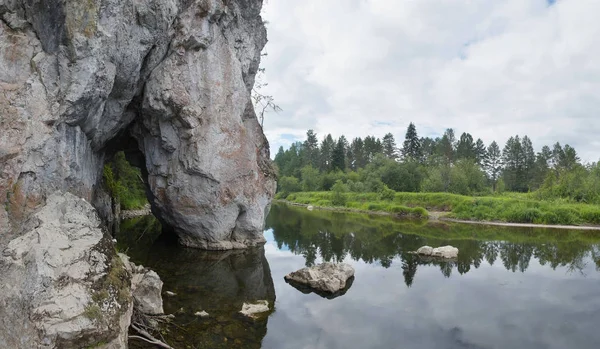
(511, 207)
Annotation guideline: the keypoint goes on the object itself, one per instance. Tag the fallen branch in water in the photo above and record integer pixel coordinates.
(147, 337)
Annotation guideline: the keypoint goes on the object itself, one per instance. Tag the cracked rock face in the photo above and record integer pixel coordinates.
(78, 80)
(76, 77)
(62, 283)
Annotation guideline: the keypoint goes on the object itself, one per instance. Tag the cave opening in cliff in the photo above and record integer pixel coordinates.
(124, 183)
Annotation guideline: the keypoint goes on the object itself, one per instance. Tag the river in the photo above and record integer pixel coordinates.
(509, 287)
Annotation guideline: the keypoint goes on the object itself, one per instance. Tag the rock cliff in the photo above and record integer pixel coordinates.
(169, 82)
(80, 79)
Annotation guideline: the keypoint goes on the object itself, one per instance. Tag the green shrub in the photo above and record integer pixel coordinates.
(339, 190)
(387, 194)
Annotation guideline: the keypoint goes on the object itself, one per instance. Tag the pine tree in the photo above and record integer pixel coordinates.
(493, 163)
(570, 158)
(480, 151)
(338, 157)
(358, 158)
(372, 147)
(446, 148)
(389, 146)
(528, 162)
(465, 149)
(514, 165)
(428, 146)
(325, 153)
(311, 149)
(411, 149)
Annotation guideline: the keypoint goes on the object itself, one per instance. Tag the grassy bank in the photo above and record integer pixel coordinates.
(363, 202)
(514, 208)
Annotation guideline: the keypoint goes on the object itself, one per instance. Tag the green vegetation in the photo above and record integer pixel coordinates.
(510, 207)
(373, 202)
(93, 312)
(463, 176)
(125, 183)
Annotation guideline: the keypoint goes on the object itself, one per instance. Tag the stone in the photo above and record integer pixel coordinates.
(310, 207)
(61, 283)
(254, 309)
(201, 313)
(325, 277)
(425, 250)
(440, 252)
(146, 288)
(445, 252)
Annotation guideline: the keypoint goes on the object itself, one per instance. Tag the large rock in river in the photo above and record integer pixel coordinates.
(441, 252)
(324, 277)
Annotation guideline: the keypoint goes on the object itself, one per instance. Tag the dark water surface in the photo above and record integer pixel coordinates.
(509, 288)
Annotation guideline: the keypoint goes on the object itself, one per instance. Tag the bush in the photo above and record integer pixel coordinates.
(339, 190)
(287, 185)
(387, 194)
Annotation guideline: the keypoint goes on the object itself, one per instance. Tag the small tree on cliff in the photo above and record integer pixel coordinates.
(262, 102)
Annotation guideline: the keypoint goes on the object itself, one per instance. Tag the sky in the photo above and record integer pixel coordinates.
(493, 68)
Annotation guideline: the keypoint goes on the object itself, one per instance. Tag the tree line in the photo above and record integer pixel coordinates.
(448, 163)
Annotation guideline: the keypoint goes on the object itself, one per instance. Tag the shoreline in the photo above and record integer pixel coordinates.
(439, 216)
(339, 209)
(523, 225)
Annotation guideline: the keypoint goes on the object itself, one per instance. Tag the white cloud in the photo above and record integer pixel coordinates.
(492, 68)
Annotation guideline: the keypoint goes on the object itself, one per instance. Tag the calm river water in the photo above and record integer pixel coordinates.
(509, 288)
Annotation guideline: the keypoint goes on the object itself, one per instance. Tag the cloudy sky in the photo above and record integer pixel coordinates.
(493, 68)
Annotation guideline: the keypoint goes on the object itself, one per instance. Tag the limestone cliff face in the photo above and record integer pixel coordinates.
(78, 77)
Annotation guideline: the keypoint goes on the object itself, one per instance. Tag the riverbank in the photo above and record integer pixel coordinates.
(511, 208)
(397, 211)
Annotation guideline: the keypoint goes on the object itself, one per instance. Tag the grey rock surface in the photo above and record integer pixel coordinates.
(78, 79)
(61, 286)
(445, 252)
(441, 252)
(255, 308)
(425, 250)
(326, 277)
(146, 288)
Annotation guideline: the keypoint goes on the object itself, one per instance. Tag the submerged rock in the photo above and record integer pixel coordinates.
(254, 309)
(326, 277)
(425, 250)
(441, 252)
(201, 313)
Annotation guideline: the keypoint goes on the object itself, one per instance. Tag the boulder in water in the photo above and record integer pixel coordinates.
(442, 252)
(325, 277)
(254, 309)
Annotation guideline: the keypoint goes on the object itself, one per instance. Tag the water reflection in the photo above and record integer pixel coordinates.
(218, 282)
(384, 240)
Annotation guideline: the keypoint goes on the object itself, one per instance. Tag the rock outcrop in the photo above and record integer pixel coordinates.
(63, 286)
(146, 288)
(325, 277)
(448, 252)
(169, 80)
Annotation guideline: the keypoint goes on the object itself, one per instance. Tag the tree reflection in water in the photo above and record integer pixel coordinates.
(384, 240)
